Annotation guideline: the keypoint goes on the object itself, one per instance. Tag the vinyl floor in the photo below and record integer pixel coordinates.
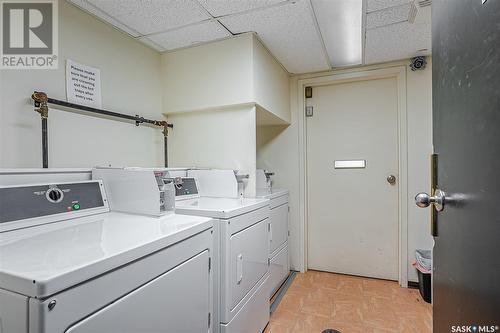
(318, 300)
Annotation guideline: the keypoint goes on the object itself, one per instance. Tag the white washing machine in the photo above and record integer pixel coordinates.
(68, 264)
(242, 237)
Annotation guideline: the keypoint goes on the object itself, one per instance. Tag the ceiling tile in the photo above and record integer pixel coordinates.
(190, 35)
(151, 16)
(288, 31)
(83, 4)
(381, 4)
(400, 40)
(225, 7)
(388, 16)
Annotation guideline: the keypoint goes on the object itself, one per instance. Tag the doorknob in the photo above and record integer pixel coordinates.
(391, 179)
(423, 200)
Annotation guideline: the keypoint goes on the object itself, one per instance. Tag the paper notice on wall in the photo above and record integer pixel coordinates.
(83, 84)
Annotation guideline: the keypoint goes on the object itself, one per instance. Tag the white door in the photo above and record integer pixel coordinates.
(353, 212)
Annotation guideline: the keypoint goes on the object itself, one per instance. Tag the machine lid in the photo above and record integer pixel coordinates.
(219, 207)
(43, 260)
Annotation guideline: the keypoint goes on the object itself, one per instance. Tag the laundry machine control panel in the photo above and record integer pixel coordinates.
(186, 188)
(48, 202)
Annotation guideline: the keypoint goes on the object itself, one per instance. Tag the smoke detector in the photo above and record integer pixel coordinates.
(418, 63)
(424, 3)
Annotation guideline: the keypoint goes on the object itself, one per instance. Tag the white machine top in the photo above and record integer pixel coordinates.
(223, 208)
(43, 260)
(270, 193)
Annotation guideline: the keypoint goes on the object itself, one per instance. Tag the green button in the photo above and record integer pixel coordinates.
(76, 206)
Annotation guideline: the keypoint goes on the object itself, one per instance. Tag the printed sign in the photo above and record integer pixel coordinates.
(29, 34)
(83, 84)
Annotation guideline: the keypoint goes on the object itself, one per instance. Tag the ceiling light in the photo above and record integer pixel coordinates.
(340, 23)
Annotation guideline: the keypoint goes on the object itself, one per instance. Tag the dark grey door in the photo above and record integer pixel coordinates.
(466, 121)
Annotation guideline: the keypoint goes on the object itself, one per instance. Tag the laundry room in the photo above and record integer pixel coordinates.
(247, 166)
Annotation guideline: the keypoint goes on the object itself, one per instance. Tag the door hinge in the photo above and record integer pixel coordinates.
(209, 263)
(209, 319)
(269, 227)
(309, 111)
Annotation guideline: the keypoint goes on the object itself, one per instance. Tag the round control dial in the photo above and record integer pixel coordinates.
(54, 195)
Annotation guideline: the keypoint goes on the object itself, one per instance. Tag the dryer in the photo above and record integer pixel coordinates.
(242, 240)
(68, 264)
(279, 229)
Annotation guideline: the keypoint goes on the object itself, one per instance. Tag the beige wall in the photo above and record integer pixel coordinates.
(270, 84)
(215, 94)
(208, 76)
(222, 139)
(278, 150)
(131, 83)
(230, 72)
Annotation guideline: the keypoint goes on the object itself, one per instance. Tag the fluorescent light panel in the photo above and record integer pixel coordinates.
(340, 23)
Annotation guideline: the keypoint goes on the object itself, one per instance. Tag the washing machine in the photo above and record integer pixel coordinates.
(241, 228)
(69, 264)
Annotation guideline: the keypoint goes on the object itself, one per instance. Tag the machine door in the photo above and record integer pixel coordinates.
(248, 260)
(177, 301)
(278, 231)
(279, 269)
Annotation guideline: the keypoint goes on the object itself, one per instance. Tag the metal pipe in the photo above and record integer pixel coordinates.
(41, 106)
(165, 140)
(45, 144)
(138, 120)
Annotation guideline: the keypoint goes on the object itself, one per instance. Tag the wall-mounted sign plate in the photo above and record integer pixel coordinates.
(309, 111)
(350, 164)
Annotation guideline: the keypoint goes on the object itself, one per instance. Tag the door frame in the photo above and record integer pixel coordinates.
(398, 72)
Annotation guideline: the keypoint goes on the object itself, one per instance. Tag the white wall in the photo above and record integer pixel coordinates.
(270, 83)
(211, 94)
(230, 72)
(131, 83)
(277, 150)
(222, 139)
(208, 76)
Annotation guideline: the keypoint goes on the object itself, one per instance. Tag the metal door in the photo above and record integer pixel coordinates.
(352, 178)
(466, 136)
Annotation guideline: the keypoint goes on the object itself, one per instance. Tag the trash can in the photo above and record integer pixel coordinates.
(423, 264)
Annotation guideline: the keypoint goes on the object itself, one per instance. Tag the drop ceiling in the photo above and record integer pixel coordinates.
(304, 35)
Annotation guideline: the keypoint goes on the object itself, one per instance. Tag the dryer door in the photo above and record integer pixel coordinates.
(248, 260)
(279, 227)
(177, 301)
